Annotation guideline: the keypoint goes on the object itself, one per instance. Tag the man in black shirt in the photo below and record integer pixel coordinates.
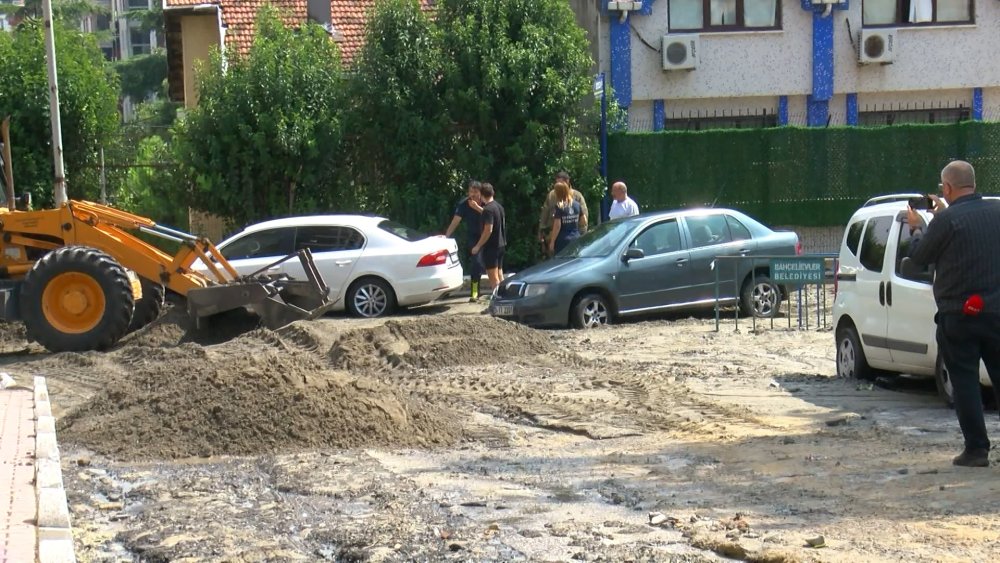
(493, 242)
(961, 243)
(470, 210)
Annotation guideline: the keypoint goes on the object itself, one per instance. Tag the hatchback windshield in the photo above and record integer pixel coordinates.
(599, 242)
(401, 231)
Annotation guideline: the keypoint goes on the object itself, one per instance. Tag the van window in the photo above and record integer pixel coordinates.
(902, 251)
(873, 243)
(854, 236)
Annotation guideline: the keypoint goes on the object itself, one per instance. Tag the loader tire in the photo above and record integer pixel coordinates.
(148, 308)
(76, 298)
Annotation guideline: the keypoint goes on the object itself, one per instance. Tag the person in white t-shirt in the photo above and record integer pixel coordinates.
(622, 206)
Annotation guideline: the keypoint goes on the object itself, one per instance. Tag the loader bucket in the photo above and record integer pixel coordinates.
(278, 300)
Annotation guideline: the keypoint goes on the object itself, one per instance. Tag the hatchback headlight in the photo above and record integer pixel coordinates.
(535, 289)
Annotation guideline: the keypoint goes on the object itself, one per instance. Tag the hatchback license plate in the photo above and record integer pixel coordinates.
(503, 310)
(454, 257)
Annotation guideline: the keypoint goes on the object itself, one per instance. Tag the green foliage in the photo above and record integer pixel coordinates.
(151, 185)
(265, 138)
(497, 90)
(88, 96)
(142, 75)
(516, 75)
(69, 11)
(398, 126)
(798, 176)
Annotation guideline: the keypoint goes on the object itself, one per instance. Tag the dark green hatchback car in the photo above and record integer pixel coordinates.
(648, 263)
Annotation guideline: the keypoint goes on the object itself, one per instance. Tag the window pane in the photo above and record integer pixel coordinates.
(328, 239)
(760, 13)
(723, 12)
(708, 230)
(401, 231)
(737, 229)
(854, 236)
(953, 11)
(921, 11)
(879, 12)
(661, 238)
(875, 239)
(686, 14)
(274, 243)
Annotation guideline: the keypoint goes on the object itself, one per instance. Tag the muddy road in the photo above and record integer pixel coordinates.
(447, 435)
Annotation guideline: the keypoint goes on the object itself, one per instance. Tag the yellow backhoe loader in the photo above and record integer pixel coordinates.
(80, 279)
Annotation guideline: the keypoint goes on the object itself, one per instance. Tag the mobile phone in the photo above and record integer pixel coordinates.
(921, 202)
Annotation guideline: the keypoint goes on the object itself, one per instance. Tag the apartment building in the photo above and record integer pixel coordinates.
(697, 64)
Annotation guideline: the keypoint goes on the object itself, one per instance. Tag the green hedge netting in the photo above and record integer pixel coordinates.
(797, 176)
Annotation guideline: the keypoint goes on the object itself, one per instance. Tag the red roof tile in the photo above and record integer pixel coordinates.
(349, 20)
(238, 17)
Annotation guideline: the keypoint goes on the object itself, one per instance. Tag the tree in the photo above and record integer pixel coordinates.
(516, 87)
(69, 11)
(400, 141)
(88, 92)
(142, 75)
(265, 138)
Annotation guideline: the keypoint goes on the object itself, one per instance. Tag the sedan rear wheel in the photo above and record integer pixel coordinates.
(591, 311)
(370, 298)
(760, 298)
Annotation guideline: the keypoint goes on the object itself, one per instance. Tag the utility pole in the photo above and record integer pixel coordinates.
(104, 181)
(7, 169)
(59, 188)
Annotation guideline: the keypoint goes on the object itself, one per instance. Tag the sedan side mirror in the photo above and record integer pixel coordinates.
(633, 254)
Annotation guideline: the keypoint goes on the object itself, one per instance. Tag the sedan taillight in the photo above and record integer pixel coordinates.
(438, 258)
(798, 248)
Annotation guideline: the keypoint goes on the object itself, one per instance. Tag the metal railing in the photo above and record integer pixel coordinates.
(802, 289)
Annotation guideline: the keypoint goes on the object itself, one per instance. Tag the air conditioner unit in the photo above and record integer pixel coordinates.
(877, 46)
(680, 52)
(624, 6)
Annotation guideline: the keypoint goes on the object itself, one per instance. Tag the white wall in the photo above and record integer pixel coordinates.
(759, 63)
(939, 63)
(930, 58)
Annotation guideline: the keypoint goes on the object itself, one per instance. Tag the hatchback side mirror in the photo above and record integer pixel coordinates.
(633, 254)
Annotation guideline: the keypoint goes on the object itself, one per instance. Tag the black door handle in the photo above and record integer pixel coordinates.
(888, 293)
(881, 293)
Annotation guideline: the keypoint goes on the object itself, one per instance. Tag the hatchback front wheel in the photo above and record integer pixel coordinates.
(590, 311)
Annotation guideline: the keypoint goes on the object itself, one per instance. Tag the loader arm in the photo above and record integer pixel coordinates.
(98, 226)
(28, 236)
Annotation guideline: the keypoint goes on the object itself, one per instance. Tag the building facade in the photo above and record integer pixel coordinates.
(696, 64)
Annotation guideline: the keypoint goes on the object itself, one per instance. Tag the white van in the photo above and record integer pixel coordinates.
(884, 320)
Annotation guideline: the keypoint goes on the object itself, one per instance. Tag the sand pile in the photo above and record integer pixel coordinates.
(436, 342)
(254, 394)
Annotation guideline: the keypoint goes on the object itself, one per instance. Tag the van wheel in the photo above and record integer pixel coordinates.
(943, 380)
(851, 361)
(760, 298)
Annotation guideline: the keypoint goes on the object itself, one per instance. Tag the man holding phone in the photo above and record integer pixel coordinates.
(960, 242)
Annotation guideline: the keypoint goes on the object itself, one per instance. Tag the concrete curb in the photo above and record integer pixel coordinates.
(55, 535)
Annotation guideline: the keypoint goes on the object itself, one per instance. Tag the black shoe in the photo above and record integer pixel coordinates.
(978, 457)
